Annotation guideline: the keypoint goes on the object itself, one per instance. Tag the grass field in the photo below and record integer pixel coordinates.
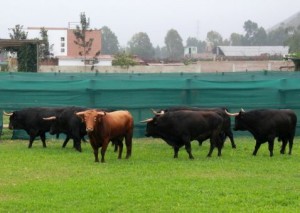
(63, 180)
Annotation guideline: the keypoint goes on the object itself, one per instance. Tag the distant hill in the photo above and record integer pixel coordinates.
(293, 21)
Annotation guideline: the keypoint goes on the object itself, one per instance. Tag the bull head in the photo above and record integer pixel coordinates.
(7, 114)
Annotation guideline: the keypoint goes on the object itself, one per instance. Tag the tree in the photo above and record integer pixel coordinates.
(110, 43)
(236, 39)
(157, 53)
(18, 33)
(214, 38)
(260, 38)
(81, 40)
(44, 48)
(27, 58)
(201, 45)
(141, 46)
(26, 54)
(123, 60)
(174, 45)
(294, 40)
(251, 29)
(278, 36)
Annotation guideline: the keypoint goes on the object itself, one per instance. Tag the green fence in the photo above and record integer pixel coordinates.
(138, 92)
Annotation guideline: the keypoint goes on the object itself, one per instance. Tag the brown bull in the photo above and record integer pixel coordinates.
(103, 127)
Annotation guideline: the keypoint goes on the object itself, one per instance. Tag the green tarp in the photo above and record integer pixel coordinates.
(139, 93)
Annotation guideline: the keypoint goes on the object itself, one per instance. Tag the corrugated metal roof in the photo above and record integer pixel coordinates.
(252, 50)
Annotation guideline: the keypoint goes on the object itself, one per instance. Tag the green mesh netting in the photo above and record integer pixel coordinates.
(138, 93)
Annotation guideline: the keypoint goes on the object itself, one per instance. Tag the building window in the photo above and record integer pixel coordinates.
(62, 38)
(62, 50)
(62, 44)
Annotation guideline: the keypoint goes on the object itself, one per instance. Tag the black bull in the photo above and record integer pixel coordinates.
(267, 124)
(179, 128)
(226, 129)
(31, 120)
(68, 123)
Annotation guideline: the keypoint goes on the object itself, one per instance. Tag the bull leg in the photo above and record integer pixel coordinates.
(257, 145)
(96, 154)
(116, 147)
(176, 149)
(77, 143)
(66, 141)
(43, 138)
(200, 142)
(230, 135)
(291, 141)
(189, 149)
(31, 139)
(115, 144)
(128, 142)
(284, 143)
(212, 146)
(220, 144)
(120, 144)
(103, 149)
(271, 146)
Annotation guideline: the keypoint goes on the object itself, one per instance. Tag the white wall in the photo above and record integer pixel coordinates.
(79, 62)
(54, 37)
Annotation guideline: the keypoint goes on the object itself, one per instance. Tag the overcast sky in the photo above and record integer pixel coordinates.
(191, 18)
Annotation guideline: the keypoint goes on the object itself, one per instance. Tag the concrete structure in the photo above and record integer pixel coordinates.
(190, 51)
(201, 66)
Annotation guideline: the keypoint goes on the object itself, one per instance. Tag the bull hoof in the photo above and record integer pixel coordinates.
(234, 146)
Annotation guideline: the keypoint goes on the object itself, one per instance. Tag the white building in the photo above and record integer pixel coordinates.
(57, 38)
(63, 47)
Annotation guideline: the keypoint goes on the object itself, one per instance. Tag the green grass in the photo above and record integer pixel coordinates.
(63, 180)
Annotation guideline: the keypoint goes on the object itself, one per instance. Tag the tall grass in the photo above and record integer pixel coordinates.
(53, 179)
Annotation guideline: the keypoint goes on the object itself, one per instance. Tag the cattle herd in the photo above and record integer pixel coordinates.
(177, 126)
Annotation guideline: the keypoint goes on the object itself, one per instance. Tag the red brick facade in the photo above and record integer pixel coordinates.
(74, 49)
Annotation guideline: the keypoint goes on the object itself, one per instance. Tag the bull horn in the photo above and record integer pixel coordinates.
(242, 110)
(147, 120)
(50, 118)
(158, 113)
(231, 114)
(101, 113)
(7, 114)
(79, 113)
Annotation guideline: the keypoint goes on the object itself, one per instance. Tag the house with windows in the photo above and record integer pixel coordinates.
(63, 47)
